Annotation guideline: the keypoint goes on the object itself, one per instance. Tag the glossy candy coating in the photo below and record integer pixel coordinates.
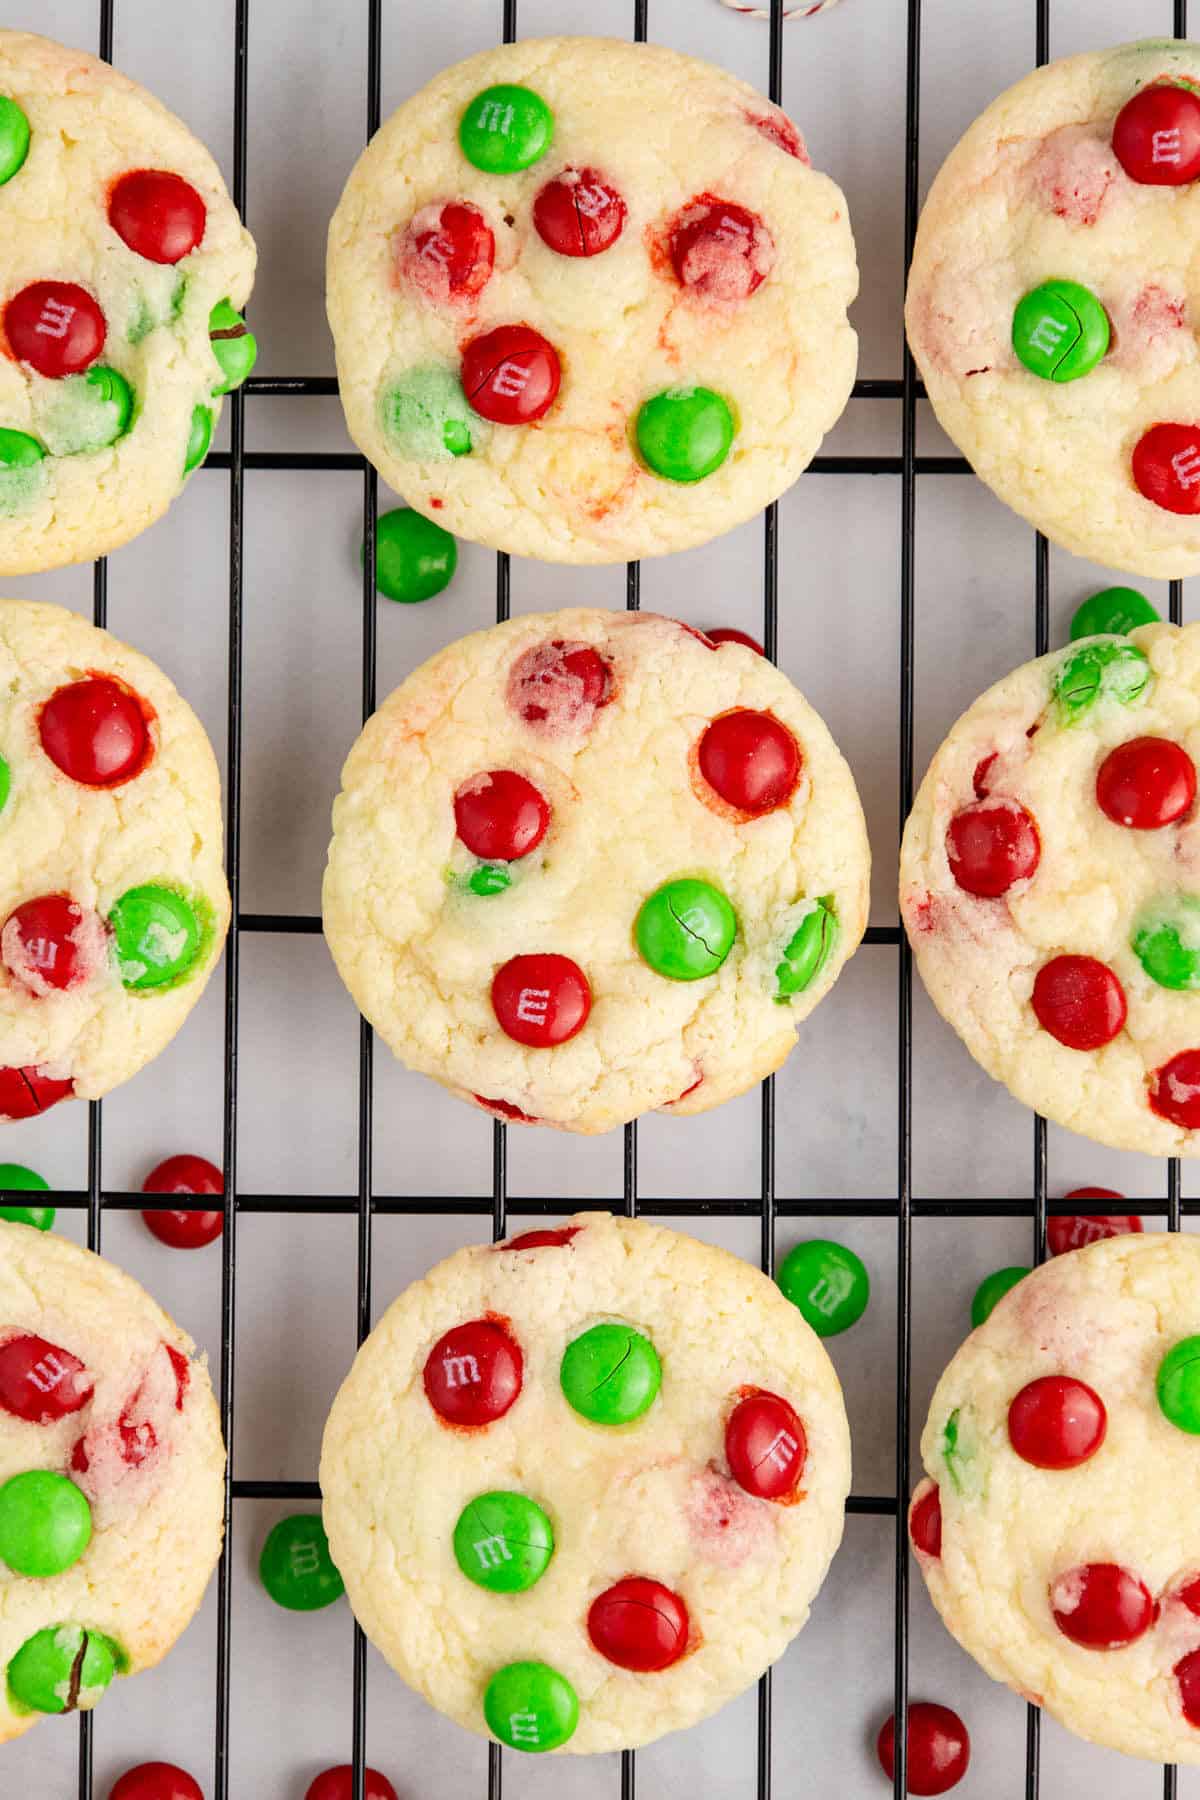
(765, 1446)
(43, 943)
(639, 1624)
(1057, 1422)
(26, 1092)
(511, 375)
(808, 950)
(157, 214)
(1156, 136)
(158, 937)
(579, 213)
(1166, 941)
(1079, 1001)
(1071, 1231)
(473, 1373)
(505, 128)
(727, 634)
(295, 1566)
(45, 1524)
(530, 1706)
(1177, 1385)
(827, 1283)
(1114, 611)
(62, 1668)
(338, 1784)
(992, 1290)
(1175, 1090)
(925, 1522)
(95, 731)
(199, 438)
(16, 1179)
(448, 252)
(992, 845)
(938, 1745)
(1060, 331)
(488, 879)
(1146, 783)
(18, 450)
(503, 1542)
(610, 1374)
(414, 558)
(500, 816)
(1166, 467)
(234, 346)
(684, 433)
(1108, 670)
(40, 1382)
(750, 760)
(14, 138)
(685, 929)
(185, 1174)
(56, 327)
(1101, 1606)
(541, 1000)
(156, 1781)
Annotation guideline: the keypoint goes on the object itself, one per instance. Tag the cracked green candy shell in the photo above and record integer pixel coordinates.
(158, 937)
(1178, 1385)
(685, 930)
(503, 1542)
(611, 1374)
(14, 138)
(1113, 611)
(1166, 941)
(88, 412)
(1060, 331)
(233, 344)
(1111, 670)
(530, 1706)
(45, 1523)
(505, 128)
(39, 1675)
(808, 950)
(425, 416)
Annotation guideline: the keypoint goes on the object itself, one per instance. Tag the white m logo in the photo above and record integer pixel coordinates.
(532, 1005)
(461, 1371)
(55, 319)
(492, 1551)
(1166, 146)
(1047, 334)
(510, 379)
(524, 1728)
(493, 116)
(47, 1374)
(1187, 466)
(781, 1449)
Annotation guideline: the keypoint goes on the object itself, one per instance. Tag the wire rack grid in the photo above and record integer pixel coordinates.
(366, 1204)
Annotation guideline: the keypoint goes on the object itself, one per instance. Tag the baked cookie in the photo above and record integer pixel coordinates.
(583, 1486)
(1058, 1534)
(124, 262)
(1050, 304)
(111, 1477)
(587, 863)
(1050, 886)
(113, 904)
(589, 300)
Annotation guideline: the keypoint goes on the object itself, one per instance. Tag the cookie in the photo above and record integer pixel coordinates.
(583, 1486)
(587, 863)
(113, 904)
(1050, 307)
(124, 264)
(111, 1478)
(1057, 1532)
(1050, 886)
(589, 300)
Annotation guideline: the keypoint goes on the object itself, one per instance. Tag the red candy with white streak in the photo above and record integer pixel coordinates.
(766, 1446)
(1166, 466)
(500, 815)
(938, 1748)
(51, 944)
(721, 252)
(448, 252)
(56, 327)
(1072, 1231)
(558, 687)
(541, 1000)
(511, 375)
(1102, 1606)
(474, 1372)
(40, 1382)
(579, 213)
(1157, 136)
(992, 846)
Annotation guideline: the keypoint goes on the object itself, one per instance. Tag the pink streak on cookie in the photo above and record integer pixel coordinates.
(1072, 173)
(727, 1526)
(1148, 332)
(136, 1442)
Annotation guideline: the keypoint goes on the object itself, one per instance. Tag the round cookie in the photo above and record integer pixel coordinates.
(686, 1545)
(113, 904)
(124, 263)
(1057, 1533)
(1050, 886)
(585, 864)
(1050, 303)
(589, 300)
(106, 1410)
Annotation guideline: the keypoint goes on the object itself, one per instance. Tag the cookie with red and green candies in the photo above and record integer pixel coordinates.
(111, 1478)
(589, 300)
(1050, 886)
(611, 1483)
(113, 903)
(125, 266)
(1056, 1529)
(586, 864)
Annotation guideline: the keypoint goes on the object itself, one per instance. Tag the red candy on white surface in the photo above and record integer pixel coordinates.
(96, 732)
(553, 1239)
(1071, 1231)
(39, 1381)
(938, 1745)
(474, 1373)
(925, 1520)
(991, 846)
(185, 1175)
(52, 943)
(750, 760)
(1187, 1674)
(1057, 1422)
(639, 1624)
(779, 130)
(26, 1092)
(720, 250)
(156, 1781)
(725, 634)
(1157, 136)
(500, 816)
(159, 215)
(559, 686)
(579, 213)
(449, 251)
(541, 1000)
(56, 327)
(1146, 783)
(338, 1784)
(766, 1447)
(504, 1109)
(1079, 1001)
(1175, 1090)
(511, 375)
(1166, 467)
(1101, 1606)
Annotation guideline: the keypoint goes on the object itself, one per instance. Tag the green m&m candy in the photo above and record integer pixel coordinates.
(685, 930)
(827, 1283)
(64, 1668)
(16, 1179)
(488, 879)
(684, 433)
(530, 1706)
(45, 1523)
(22, 469)
(295, 1566)
(503, 1542)
(1111, 670)
(14, 138)
(159, 937)
(1114, 611)
(88, 412)
(506, 128)
(1060, 331)
(199, 438)
(1178, 1385)
(5, 782)
(233, 344)
(1166, 941)
(808, 950)
(425, 415)
(414, 558)
(611, 1374)
(992, 1290)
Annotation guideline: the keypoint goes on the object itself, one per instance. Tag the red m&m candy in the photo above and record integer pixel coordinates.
(541, 1000)
(500, 816)
(1057, 1422)
(156, 1781)
(185, 1175)
(511, 375)
(159, 215)
(473, 1373)
(1187, 1674)
(40, 1382)
(1079, 1001)
(639, 1624)
(1157, 136)
(56, 327)
(778, 129)
(1147, 783)
(1101, 1606)
(725, 634)
(1175, 1090)
(1166, 467)
(720, 250)
(925, 1520)
(559, 686)
(449, 251)
(579, 213)
(24, 1092)
(1071, 1231)
(542, 1240)
(751, 760)
(95, 731)
(939, 1748)
(991, 846)
(765, 1446)
(338, 1784)
(51, 943)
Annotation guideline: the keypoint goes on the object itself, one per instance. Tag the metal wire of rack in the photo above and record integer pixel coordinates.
(365, 1204)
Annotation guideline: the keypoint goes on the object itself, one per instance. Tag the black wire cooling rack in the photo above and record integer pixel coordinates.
(902, 1206)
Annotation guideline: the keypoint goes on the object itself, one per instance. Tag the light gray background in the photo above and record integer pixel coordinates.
(837, 1098)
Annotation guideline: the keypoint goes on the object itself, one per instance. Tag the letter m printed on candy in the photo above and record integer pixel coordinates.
(781, 1449)
(305, 1559)
(830, 1289)
(461, 1371)
(1186, 465)
(46, 1374)
(510, 379)
(1166, 146)
(55, 319)
(492, 1551)
(533, 1005)
(493, 115)
(1047, 334)
(524, 1728)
